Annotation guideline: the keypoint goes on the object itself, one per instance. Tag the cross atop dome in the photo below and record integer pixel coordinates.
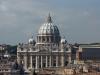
(49, 20)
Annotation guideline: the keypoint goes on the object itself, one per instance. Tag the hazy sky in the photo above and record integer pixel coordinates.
(77, 20)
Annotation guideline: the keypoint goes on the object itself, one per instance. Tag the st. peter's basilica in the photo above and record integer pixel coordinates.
(49, 49)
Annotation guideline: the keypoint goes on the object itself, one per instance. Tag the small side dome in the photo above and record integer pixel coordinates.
(63, 41)
(31, 41)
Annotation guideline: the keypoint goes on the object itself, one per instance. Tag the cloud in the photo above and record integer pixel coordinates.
(20, 18)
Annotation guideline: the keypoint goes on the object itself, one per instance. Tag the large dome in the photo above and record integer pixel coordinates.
(48, 28)
(48, 33)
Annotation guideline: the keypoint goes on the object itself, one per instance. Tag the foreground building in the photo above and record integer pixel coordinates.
(49, 50)
(7, 67)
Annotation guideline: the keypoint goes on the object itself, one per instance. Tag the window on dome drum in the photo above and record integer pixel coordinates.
(43, 39)
(47, 39)
(52, 39)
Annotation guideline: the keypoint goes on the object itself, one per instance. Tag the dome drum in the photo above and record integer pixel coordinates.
(49, 39)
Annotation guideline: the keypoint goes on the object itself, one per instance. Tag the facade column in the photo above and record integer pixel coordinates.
(41, 38)
(41, 62)
(31, 61)
(49, 39)
(69, 58)
(46, 61)
(37, 62)
(37, 38)
(62, 61)
(25, 61)
(56, 61)
(50, 62)
(18, 58)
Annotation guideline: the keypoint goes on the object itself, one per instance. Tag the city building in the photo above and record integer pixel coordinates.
(8, 51)
(3, 49)
(88, 53)
(49, 49)
(8, 67)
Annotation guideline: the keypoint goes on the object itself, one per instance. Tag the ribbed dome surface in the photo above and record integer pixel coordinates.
(48, 28)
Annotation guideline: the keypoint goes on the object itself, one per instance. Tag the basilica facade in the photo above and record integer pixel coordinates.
(49, 49)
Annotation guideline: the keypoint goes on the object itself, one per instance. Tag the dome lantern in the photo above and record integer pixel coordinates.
(49, 20)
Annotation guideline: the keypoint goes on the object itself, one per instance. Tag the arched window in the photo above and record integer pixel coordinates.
(47, 38)
(43, 39)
